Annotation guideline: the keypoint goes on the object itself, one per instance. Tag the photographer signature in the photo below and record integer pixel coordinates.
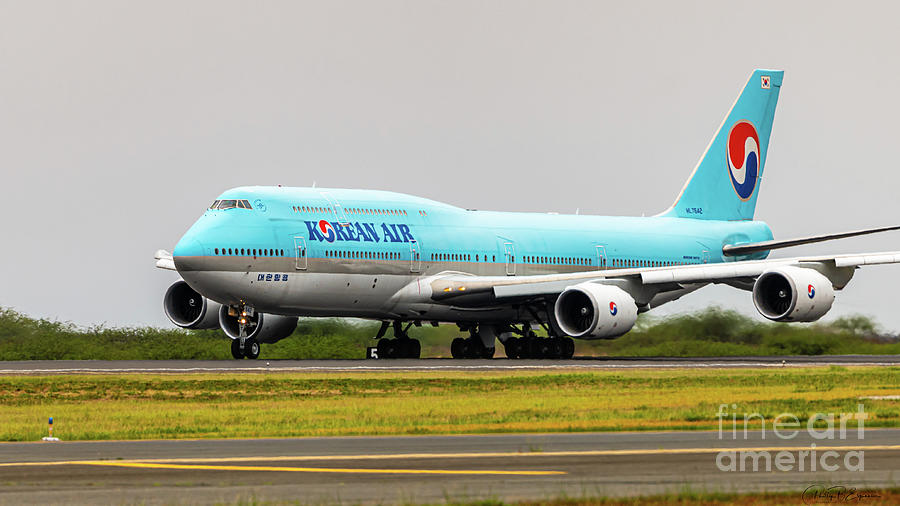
(818, 494)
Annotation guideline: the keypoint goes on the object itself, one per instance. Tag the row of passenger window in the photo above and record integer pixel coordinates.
(627, 262)
(530, 259)
(353, 210)
(311, 209)
(261, 252)
(363, 255)
(459, 257)
(376, 212)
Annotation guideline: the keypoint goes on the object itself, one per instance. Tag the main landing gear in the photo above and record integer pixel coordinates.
(480, 343)
(473, 346)
(529, 345)
(401, 346)
(532, 346)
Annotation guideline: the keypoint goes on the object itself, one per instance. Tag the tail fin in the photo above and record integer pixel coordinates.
(725, 183)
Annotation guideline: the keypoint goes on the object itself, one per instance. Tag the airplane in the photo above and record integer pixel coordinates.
(261, 256)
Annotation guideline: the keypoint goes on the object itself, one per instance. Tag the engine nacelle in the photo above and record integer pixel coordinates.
(188, 309)
(595, 311)
(792, 294)
(265, 328)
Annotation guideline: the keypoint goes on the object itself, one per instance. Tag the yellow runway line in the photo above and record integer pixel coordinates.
(471, 455)
(148, 465)
(569, 453)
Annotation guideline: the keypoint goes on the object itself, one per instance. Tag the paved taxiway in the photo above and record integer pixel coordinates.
(260, 365)
(419, 468)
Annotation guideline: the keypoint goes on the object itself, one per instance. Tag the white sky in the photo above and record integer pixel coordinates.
(121, 121)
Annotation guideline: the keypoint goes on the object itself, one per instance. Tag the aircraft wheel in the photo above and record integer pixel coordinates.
(535, 348)
(236, 349)
(568, 348)
(456, 347)
(468, 349)
(382, 346)
(511, 347)
(475, 348)
(553, 347)
(394, 348)
(523, 347)
(251, 348)
(412, 348)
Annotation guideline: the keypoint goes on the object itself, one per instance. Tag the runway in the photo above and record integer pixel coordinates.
(423, 469)
(262, 365)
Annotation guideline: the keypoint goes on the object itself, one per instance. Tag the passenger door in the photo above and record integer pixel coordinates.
(601, 257)
(415, 257)
(509, 250)
(300, 253)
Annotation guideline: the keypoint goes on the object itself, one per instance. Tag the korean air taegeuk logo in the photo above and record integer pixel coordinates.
(742, 155)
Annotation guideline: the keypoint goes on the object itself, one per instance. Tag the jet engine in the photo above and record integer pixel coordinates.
(188, 309)
(792, 294)
(265, 328)
(595, 311)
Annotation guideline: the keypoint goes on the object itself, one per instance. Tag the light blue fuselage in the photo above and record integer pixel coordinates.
(389, 240)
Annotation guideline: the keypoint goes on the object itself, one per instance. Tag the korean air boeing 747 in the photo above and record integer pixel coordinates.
(260, 257)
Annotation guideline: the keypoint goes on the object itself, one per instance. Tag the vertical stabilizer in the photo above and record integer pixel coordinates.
(725, 183)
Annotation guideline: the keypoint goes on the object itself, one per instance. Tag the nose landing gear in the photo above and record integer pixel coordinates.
(244, 346)
(251, 348)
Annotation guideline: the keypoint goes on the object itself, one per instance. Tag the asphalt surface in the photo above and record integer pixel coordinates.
(387, 470)
(162, 366)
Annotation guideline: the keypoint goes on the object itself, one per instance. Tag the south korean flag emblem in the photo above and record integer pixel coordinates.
(765, 82)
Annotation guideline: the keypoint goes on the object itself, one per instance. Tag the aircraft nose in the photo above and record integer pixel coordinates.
(188, 246)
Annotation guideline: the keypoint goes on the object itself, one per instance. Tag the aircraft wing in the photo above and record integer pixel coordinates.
(837, 268)
(164, 260)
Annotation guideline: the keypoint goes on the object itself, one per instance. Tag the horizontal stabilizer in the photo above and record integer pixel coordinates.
(755, 247)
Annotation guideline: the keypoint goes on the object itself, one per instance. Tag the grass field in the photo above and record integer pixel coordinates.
(709, 333)
(874, 497)
(328, 404)
(688, 498)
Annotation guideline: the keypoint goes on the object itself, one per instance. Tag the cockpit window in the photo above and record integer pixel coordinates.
(231, 204)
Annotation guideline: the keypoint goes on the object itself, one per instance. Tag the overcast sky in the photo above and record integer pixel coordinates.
(121, 121)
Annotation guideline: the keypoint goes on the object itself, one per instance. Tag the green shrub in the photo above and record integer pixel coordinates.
(718, 332)
(713, 332)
